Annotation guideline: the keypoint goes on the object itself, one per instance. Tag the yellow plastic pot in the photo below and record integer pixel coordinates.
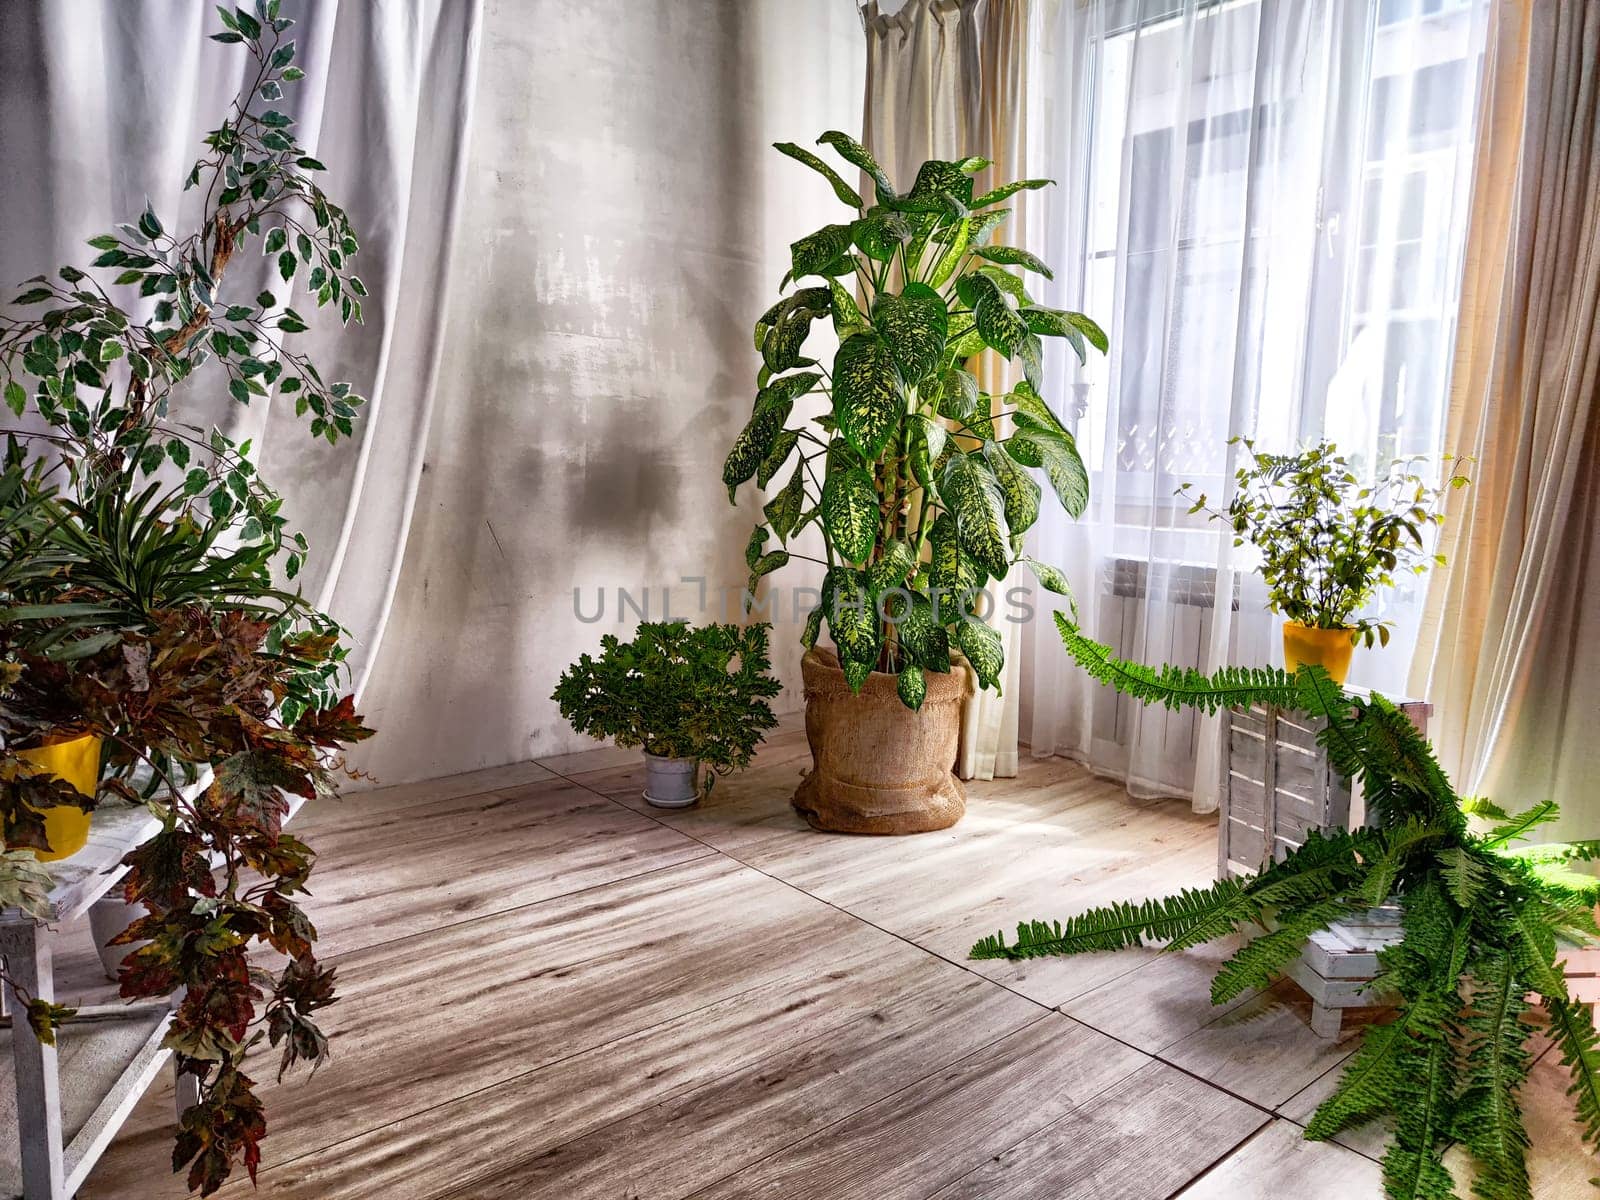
(77, 760)
(1308, 645)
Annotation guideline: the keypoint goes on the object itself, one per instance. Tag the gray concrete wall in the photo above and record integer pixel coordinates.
(625, 223)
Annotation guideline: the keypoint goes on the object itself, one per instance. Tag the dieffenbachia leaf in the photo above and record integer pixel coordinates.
(911, 686)
(1075, 327)
(857, 155)
(851, 616)
(1010, 189)
(850, 512)
(765, 565)
(892, 567)
(913, 325)
(1016, 485)
(1012, 256)
(756, 545)
(847, 318)
(1008, 283)
(880, 234)
(969, 490)
(954, 247)
(841, 189)
(866, 394)
(1030, 404)
(927, 443)
(983, 224)
(968, 341)
(813, 629)
(923, 636)
(958, 394)
(998, 325)
(825, 252)
(791, 322)
(1057, 453)
(953, 575)
(783, 510)
(937, 183)
(755, 440)
(981, 644)
(855, 673)
(782, 446)
(1052, 579)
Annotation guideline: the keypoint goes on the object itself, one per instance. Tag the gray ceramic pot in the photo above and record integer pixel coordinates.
(671, 782)
(108, 917)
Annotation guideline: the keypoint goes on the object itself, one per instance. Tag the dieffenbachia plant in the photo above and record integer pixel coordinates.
(920, 481)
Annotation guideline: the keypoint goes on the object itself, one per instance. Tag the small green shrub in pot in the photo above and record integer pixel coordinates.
(687, 695)
(1329, 540)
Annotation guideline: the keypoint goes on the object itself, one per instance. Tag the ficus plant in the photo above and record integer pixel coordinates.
(145, 598)
(1327, 538)
(1484, 915)
(678, 691)
(921, 483)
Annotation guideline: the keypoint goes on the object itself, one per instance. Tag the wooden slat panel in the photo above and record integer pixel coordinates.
(1279, 1162)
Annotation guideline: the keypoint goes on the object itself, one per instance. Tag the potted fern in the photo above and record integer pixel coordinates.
(1328, 541)
(687, 696)
(1484, 916)
(920, 483)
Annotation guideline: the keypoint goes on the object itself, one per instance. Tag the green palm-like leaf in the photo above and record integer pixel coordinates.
(1521, 824)
(1572, 1028)
(1488, 1117)
(1261, 960)
(866, 394)
(968, 488)
(913, 325)
(850, 512)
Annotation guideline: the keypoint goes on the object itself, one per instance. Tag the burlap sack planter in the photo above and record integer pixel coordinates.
(877, 766)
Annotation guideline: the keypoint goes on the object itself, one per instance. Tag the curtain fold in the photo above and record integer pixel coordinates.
(1264, 203)
(103, 105)
(947, 79)
(1510, 652)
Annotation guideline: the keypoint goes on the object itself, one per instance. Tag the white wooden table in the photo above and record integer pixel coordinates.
(68, 1100)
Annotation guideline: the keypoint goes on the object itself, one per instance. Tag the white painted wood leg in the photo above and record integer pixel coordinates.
(187, 1087)
(27, 957)
(1326, 1022)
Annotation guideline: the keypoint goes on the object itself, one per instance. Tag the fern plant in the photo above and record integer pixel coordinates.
(1483, 920)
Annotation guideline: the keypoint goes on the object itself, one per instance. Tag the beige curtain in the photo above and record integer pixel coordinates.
(947, 79)
(1510, 647)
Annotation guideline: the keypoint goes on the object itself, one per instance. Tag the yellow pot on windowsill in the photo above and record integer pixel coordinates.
(77, 760)
(1309, 645)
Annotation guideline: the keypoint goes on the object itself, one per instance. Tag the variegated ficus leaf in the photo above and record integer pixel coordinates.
(850, 513)
(973, 496)
(913, 325)
(866, 394)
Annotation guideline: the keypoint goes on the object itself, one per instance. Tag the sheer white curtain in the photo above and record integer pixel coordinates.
(1264, 202)
(102, 106)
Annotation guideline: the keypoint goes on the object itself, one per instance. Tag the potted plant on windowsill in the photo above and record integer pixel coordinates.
(688, 696)
(1328, 542)
(920, 482)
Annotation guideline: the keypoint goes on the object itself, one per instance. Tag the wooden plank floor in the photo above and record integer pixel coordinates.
(550, 989)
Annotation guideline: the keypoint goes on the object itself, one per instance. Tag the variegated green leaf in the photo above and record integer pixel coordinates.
(1017, 486)
(1057, 453)
(866, 394)
(857, 155)
(911, 686)
(1010, 189)
(820, 253)
(968, 341)
(955, 246)
(813, 628)
(936, 184)
(756, 544)
(855, 673)
(1051, 579)
(1075, 327)
(983, 224)
(850, 512)
(1031, 351)
(781, 349)
(881, 233)
(892, 567)
(783, 510)
(913, 325)
(782, 446)
(1030, 404)
(981, 644)
(787, 387)
(847, 318)
(927, 444)
(998, 325)
(1012, 256)
(950, 570)
(969, 490)
(851, 617)
(958, 394)
(841, 189)
(1008, 283)
(754, 442)
(923, 638)
(765, 565)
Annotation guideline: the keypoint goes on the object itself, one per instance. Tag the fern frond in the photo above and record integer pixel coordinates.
(1413, 1168)
(1572, 1028)
(1488, 1117)
(1323, 866)
(1522, 823)
(1551, 852)
(1261, 960)
(1178, 687)
(1533, 948)
(1389, 852)
(1211, 911)
(1465, 874)
(1482, 806)
(1368, 1086)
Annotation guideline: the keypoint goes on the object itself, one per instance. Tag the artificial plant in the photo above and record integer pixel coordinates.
(677, 690)
(1328, 540)
(137, 563)
(919, 481)
(1482, 920)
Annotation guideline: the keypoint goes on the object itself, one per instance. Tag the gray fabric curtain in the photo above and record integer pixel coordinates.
(103, 104)
(1510, 655)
